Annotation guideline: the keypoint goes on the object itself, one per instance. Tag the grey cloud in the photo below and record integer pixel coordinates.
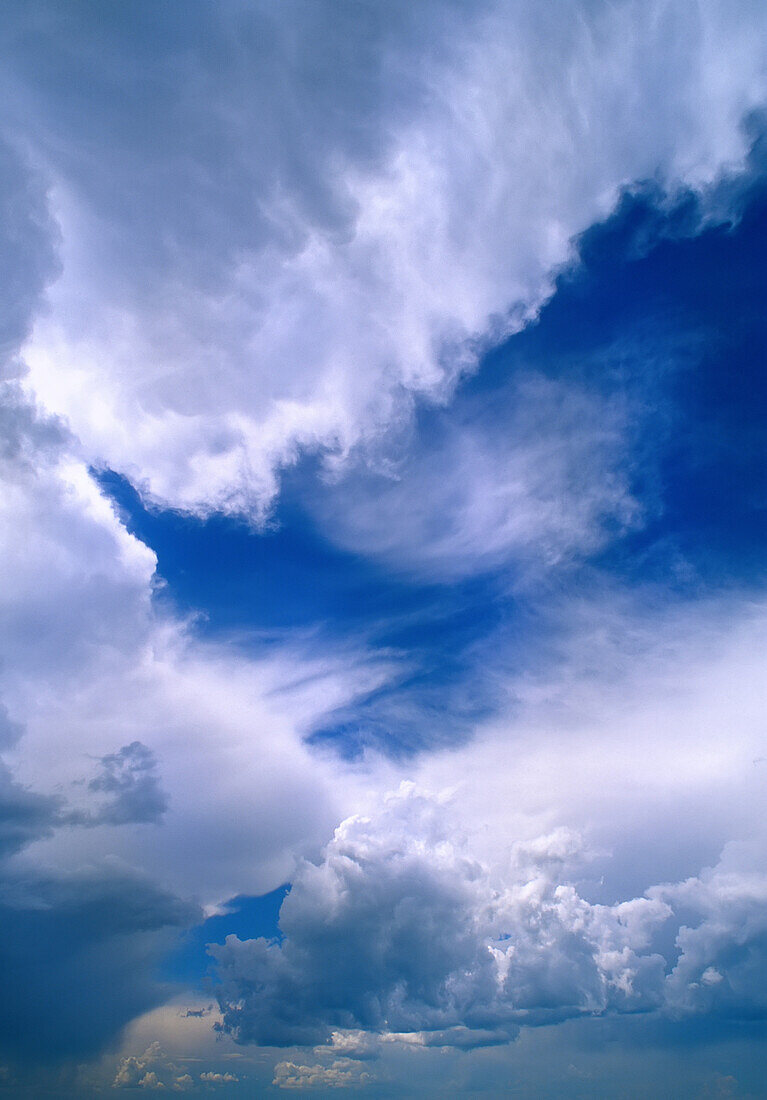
(10, 731)
(79, 950)
(78, 957)
(127, 782)
(28, 249)
(132, 788)
(29, 242)
(398, 930)
(248, 112)
(25, 816)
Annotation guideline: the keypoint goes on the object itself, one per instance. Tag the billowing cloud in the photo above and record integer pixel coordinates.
(295, 245)
(399, 930)
(722, 944)
(153, 1071)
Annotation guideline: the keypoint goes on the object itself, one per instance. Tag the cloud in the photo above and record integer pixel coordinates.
(425, 922)
(722, 945)
(89, 940)
(341, 1074)
(539, 474)
(153, 1070)
(211, 1078)
(28, 239)
(400, 930)
(87, 663)
(133, 789)
(281, 260)
(24, 814)
(344, 215)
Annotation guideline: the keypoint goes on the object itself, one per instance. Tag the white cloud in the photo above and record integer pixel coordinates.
(94, 677)
(155, 1072)
(722, 966)
(544, 482)
(372, 263)
(400, 929)
(341, 1074)
(213, 1079)
(89, 667)
(534, 890)
(343, 215)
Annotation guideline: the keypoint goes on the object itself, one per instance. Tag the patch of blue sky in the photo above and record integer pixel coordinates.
(246, 917)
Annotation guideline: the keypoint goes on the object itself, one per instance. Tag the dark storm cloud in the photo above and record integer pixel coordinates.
(79, 949)
(78, 957)
(24, 815)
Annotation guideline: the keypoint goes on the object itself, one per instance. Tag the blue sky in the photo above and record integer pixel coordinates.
(384, 511)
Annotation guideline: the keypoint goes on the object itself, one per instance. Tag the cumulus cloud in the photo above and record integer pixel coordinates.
(154, 1071)
(722, 944)
(211, 1078)
(344, 215)
(341, 1074)
(400, 930)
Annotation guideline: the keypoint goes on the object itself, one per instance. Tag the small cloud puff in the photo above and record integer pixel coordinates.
(131, 788)
(341, 1074)
(154, 1071)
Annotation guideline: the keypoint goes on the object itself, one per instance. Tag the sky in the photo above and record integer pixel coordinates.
(383, 589)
